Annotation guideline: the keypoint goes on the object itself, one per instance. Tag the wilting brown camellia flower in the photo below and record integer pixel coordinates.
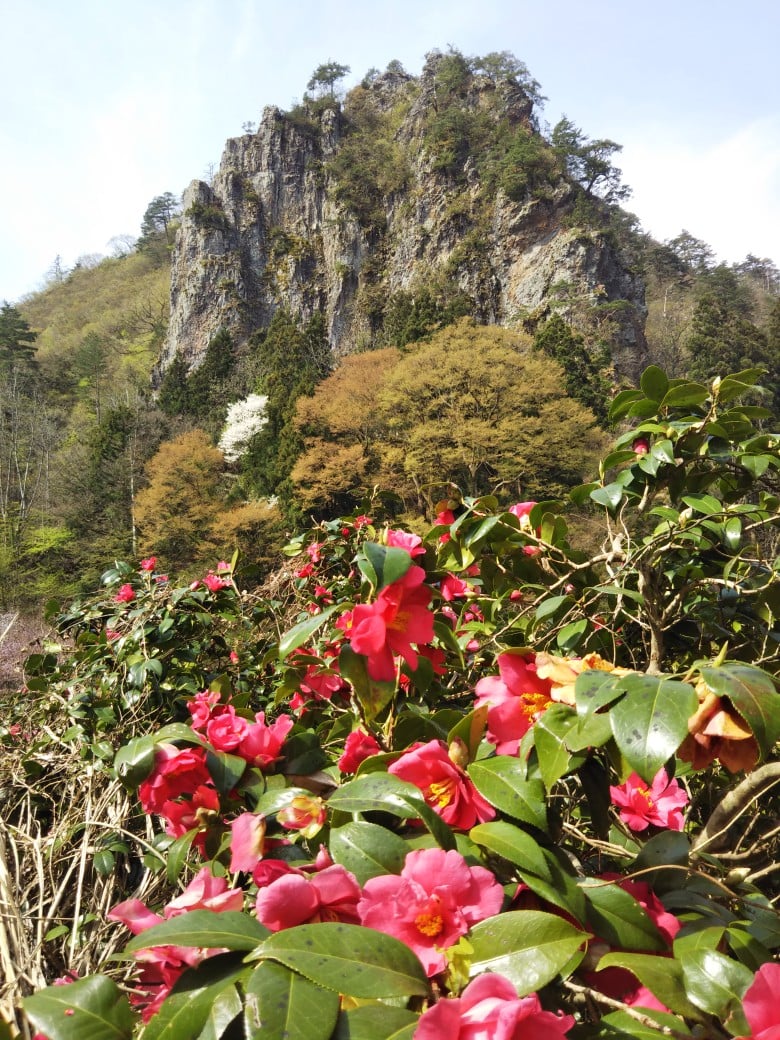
(562, 672)
(717, 731)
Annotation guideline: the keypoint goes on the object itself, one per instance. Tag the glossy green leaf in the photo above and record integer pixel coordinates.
(502, 781)
(367, 850)
(225, 770)
(526, 946)
(706, 504)
(538, 867)
(549, 733)
(302, 632)
(661, 975)
(623, 402)
(349, 959)
(617, 918)
(178, 731)
(470, 729)
(225, 1010)
(595, 689)
(90, 1009)
(753, 694)
(654, 383)
(376, 1022)
(385, 563)
(386, 793)
(621, 1025)
(229, 929)
(176, 855)
(716, 984)
(684, 395)
(283, 1005)
(186, 1011)
(134, 762)
(651, 721)
(610, 496)
(551, 606)
(372, 695)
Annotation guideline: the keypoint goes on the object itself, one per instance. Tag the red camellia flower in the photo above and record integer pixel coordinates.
(640, 446)
(444, 785)
(761, 1006)
(297, 898)
(434, 901)
(148, 564)
(176, 772)
(490, 1009)
(247, 842)
(126, 594)
(516, 697)
(660, 804)
(396, 619)
(358, 746)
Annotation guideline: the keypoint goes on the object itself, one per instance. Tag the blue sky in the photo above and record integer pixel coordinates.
(108, 103)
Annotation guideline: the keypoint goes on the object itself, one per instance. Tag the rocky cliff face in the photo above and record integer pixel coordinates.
(343, 211)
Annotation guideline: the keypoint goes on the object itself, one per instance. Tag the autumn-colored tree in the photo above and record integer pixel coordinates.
(474, 406)
(175, 513)
(477, 407)
(343, 430)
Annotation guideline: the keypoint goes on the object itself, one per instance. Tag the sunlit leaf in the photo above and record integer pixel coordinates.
(526, 946)
(651, 721)
(90, 1009)
(284, 1005)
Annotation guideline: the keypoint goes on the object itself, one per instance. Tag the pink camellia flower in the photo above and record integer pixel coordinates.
(261, 744)
(313, 551)
(234, 658)
(214, 582)
(660, 804)
(516, 698)
(305, 813)
(126, 594)
(206, 892)
(161, 966)
(453, 587)
(297, 898)
(358, 746)
(203, 707)
(434, 901)
(396, 619)
(148, 564)
(405, 540)
(761, 1006)
(226, 730)
(522, 511)
(444, 784)
(306, 571)
(247, 842)
(490, 1009)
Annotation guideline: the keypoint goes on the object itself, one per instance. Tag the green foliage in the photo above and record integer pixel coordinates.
(17, 341)
(589, 162)
(585, 371)
(326, 76)
(293, 361)
(208, 215)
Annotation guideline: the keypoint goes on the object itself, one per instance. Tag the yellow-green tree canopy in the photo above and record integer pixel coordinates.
(474, 406)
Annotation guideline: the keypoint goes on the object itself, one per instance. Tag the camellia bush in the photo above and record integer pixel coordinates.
(477, 782)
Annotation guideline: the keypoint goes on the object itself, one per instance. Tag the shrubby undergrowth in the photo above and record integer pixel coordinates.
(477, 782)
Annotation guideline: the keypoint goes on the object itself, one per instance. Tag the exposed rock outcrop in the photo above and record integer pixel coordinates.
(299, 217)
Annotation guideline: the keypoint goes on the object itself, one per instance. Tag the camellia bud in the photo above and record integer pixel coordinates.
(458, 753)
(641, 446)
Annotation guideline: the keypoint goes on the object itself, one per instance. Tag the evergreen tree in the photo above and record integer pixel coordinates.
(174, 398)
(16, 340)
(723, 341)
(584, 373)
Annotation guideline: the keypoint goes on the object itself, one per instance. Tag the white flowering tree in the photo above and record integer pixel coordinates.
(244, 419)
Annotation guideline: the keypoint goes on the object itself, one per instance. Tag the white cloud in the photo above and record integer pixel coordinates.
(726, 193)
